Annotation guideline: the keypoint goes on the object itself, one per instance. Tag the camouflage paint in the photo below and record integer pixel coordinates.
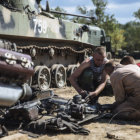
(25, 23)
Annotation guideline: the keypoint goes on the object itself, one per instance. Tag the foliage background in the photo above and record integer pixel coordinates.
(125, 36)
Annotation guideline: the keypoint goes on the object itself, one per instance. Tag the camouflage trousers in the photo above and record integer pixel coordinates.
(89, 81)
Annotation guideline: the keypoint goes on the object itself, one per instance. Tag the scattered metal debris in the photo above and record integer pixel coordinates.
(31, 110)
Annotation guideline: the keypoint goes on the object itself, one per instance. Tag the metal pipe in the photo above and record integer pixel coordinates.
(11, 94)
(55, 12)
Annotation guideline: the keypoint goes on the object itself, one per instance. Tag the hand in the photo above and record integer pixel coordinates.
(84, 94)
(90, 96)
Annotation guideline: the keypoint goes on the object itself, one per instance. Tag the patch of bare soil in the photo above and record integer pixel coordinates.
(100, 130)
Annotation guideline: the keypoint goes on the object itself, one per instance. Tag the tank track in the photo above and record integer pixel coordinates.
(69, 48)
(55, 75)
(69, 70)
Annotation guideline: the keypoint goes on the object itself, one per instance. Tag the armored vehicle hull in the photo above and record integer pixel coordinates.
(57, 46)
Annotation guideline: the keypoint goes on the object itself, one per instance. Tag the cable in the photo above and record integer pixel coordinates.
(129, 109)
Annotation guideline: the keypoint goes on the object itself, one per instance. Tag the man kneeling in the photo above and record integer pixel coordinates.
(125, 80)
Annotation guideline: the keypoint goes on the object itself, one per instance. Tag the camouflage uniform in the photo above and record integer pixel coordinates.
(90, 79)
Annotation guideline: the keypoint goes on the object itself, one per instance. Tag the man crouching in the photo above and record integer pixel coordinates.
(125, 80)
(90, 79)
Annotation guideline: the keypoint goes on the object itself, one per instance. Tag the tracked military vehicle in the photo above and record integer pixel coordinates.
(57, 46)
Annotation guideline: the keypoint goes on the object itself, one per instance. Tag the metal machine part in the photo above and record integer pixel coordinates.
(27, 111)
(76, 107)
(77, 99)
(77, 111)
(11, 94)
(53, 104)
(74, 113)
(27, 92)
(15, 67)
(41, 126)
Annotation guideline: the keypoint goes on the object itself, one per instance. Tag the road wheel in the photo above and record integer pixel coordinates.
(58, 75)
(42, 78)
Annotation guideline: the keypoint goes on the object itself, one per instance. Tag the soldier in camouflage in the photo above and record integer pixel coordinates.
(90, 79)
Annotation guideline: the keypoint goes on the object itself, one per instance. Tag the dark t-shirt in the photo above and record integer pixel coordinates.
(90, 78)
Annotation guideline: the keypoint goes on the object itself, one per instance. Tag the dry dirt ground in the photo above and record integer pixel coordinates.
(101, 130)
(118, 130)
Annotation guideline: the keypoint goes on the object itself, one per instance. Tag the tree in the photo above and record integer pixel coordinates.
(83, 10)
(137, 14)
(132, 34)
(117, 39)
(109, 24)
(58, 9)
(100, 6)
(105, 21)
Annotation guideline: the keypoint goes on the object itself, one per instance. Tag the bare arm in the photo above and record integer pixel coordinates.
(77, 73)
